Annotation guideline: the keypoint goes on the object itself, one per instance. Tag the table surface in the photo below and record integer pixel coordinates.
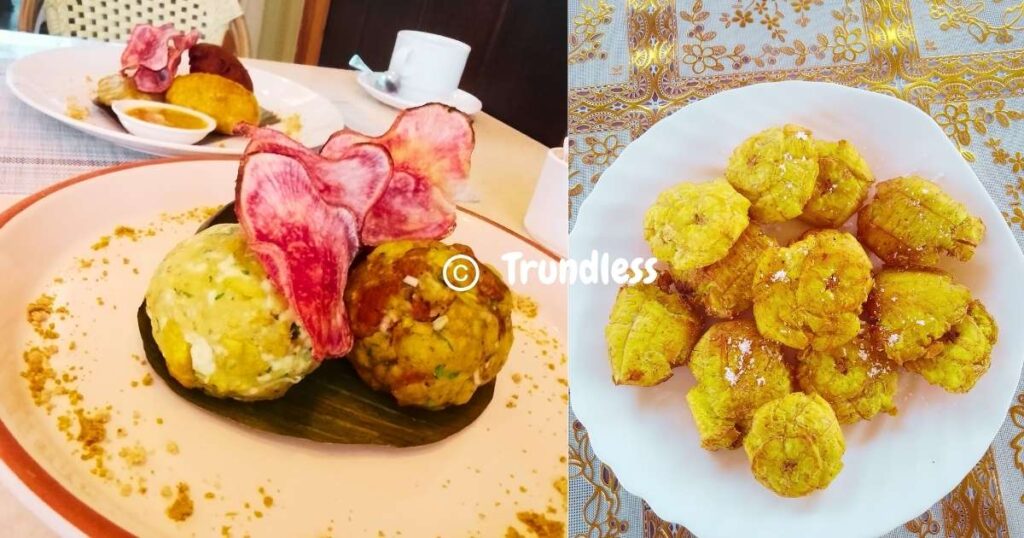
(506, 164)
(634, 62)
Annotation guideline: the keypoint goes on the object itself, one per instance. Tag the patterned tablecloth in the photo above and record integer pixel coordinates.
(634, 62)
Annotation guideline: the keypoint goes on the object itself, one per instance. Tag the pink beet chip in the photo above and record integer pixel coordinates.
(306, 243)
(152, 55)
(431, 147)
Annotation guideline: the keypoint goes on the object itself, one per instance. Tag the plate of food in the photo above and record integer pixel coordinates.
(176, 96)
(270, 346)
(820, 353)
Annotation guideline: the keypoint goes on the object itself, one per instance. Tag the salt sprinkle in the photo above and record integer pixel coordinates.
(801, 135)
(440, 322)
(744, 346)
(780, 276)
(863, 354)
(920, 322)
(411, 281)
(893, 338)
(760, 381)
(731, 376)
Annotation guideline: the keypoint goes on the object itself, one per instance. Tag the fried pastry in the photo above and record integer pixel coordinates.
(777, 170)
(912, 222)
(650, 331)
(737, 370)
(855, 379)
(692, 225)
(911, 312)
(723, 288)
(842, 185)
(810, 294)
(966, 355)
(795, 445)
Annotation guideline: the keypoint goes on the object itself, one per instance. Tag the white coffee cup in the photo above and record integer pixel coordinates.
(547, 216)
(429, 66)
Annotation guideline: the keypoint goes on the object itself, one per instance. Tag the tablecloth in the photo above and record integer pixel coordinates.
(634, 62)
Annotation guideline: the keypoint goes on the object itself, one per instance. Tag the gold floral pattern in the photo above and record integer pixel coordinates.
(958, 14)
(585, 38)
(679, 51)
(975, 507)
(655, 527)
(600, 511)
(923, 526)
(846, 44)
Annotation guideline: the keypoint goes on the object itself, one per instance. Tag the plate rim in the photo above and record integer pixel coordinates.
(124, 139)
(629, 482)
(42, 494)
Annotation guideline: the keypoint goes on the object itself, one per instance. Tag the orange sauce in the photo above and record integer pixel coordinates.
(167, 117)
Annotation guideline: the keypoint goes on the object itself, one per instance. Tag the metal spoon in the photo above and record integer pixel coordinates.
(386, 81)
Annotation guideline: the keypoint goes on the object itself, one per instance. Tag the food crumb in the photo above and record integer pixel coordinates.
(37, 314)
(74, 109)
(102, 243)
(133, 455)
(524, 305)
(172, 447)
(182, 507)
(541, 525)
(147, 379)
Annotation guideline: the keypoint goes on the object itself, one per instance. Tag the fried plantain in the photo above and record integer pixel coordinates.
(777, 170)
(911, 311)
(692, 225)
(855, 379)
(966, 355)
(737, 370)
(843, 182)
(650, 331)
(795, 445)
(723, 288)
(810, 294)
(912, 222)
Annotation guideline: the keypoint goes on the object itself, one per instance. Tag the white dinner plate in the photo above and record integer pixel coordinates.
(895, 467)
(51, 80)
(462, 100)
(471, 484)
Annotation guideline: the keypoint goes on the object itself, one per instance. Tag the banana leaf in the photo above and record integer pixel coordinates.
(331, 405)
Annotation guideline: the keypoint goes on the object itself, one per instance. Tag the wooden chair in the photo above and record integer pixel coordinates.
(112, 20)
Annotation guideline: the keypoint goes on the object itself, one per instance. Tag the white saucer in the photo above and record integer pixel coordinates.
(461, 100)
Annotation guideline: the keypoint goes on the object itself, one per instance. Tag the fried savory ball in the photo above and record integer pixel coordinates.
(724, 287)
(842, 186)
(692, 225)
(810, 294)
(855, 379)
(966, 355)
(415, 337)
(221, 324)
(224, 100)
(795, 445)
(911, 221)
(777, 170)
(737, 370)
(650, 331)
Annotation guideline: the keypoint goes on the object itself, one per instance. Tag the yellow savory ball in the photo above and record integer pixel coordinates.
(966, 355)
(842, 186)
(736, 371)
(650, 331)
(220, 324)
(415, 337)
(226, 101)
(795, 445)
(724, 287)
(912, 311)
(912, 222)
(693, 225)
(810, 294)
(777, 170)
(855, 379)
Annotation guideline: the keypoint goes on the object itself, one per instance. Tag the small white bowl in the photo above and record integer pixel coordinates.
(155, 131)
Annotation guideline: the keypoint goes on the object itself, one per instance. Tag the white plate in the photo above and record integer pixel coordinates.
(895, 467)
(472, 483)
(462, 100)
(47, 80)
